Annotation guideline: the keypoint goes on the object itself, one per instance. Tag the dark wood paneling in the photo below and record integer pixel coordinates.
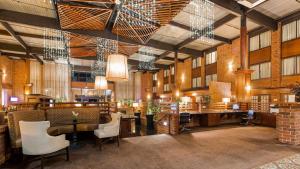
(211, 69)
(196, 72)
(291, 48)
(260, 56)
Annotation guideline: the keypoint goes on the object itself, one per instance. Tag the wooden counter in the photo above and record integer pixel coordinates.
(4, 155)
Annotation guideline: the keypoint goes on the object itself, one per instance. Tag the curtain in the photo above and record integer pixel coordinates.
(288, 66)
(57, 80)
(125, 89)
(36, 77)
(254, 43)
(207, 80)
(265, 39)
(298, 65)
(255, 74)
(298, 28)
(289, 31)
(265, 70)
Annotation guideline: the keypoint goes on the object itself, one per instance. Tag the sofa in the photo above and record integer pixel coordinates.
(60, 121)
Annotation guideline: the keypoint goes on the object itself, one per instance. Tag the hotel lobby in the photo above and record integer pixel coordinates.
(152, 84)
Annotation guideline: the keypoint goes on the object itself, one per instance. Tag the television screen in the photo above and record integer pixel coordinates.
(14, 99)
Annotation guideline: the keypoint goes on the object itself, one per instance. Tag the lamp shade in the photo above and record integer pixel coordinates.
(100, 83)
(117, 68)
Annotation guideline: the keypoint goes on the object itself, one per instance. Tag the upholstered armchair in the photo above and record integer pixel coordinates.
(37, 142)
(109, 130)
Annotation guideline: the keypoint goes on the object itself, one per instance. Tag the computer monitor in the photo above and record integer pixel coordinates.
(235, 106)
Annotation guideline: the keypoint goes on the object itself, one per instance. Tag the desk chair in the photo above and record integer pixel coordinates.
(184, 118)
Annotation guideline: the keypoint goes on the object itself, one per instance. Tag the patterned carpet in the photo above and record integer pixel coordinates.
(291, 162)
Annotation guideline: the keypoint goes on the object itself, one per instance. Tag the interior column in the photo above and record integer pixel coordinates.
(1, 76)
(243, 75)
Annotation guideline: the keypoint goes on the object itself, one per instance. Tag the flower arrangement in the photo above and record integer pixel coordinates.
(75, 116)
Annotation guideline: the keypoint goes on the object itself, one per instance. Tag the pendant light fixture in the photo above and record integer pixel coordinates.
(117, 68)
(101, 83)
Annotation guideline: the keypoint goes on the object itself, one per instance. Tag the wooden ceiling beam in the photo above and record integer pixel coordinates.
(254, 15)
(216, 25)
(157, 56)
(215, 37)
(10, 30)
(10, 54)
(46, 22)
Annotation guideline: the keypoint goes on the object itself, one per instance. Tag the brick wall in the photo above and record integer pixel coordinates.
(288, 127)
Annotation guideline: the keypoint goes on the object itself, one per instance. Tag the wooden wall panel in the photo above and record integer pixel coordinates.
(260, 56)
(219, 90)
(19, 78)
(184, 73)
(6, 65)
(291, 48)
(160, 79)
(196, 72)
(211, 69)
(146, 87)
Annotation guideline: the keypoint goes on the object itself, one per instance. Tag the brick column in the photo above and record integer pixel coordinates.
(288, 127)
(1, 76)
(276, 57)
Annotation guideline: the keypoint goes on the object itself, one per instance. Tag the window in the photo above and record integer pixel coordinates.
(261, 71)
(291, 66)
(172, 70)
(260, 41)
(196, 82)
(210, 78)
(291, 31)
(211, 58)
(166, 72)
(154, 76)
(154, 89)
(196, 62)
(166, 87)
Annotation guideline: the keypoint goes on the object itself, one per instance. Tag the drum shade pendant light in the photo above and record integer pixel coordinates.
(117, 68)
(100, 83)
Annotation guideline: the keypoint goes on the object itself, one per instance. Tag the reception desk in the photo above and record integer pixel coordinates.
(209, 118)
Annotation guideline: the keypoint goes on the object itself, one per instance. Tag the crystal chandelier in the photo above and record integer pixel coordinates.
(146, 60)
(98, 68)
(202, 20)
(56, 45)
(139, 12)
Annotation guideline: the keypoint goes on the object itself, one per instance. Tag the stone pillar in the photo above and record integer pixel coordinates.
(288, 128)
(1, 77)
(243, 75)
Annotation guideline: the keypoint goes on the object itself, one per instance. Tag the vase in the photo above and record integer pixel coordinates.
(150, 121)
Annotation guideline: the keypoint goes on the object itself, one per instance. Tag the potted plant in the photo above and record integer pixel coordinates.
(75, 116)
(296, 91)
(152, 110)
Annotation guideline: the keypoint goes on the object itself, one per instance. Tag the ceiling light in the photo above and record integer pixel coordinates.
(101, 83)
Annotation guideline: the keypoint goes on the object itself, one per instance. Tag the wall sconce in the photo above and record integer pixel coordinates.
(182, 77)
(165, 123)
(158, 83)
(230, 66)
(248, 88)
(177, 93)
(194, 94)
(148, 96)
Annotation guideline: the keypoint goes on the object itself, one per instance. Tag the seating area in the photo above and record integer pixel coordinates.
(152, 84)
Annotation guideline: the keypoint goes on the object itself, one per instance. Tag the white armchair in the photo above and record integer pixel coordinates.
(37, 142)
(109, 130)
